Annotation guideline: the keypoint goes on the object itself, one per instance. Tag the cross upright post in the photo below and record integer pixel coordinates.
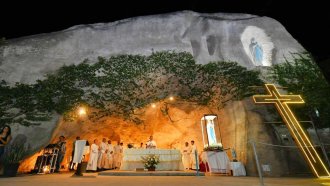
(301, 139)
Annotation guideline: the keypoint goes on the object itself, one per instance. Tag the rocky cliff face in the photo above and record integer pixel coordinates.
(250, 40)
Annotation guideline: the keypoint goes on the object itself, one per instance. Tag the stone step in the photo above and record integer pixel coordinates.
(149, 173)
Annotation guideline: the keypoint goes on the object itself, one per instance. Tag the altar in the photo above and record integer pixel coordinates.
(218, 162)
(170, 159)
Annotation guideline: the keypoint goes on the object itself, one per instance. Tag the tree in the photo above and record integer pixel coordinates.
(302, 76)
(122, 84)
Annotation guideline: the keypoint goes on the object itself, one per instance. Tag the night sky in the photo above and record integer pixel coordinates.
(308, 22)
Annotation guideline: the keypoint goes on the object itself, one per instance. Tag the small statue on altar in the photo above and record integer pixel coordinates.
(151, 144)
(233, 154)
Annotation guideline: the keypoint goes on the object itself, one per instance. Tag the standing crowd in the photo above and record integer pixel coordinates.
(103, 155)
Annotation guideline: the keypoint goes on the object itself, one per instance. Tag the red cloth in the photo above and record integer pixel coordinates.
(204, 167)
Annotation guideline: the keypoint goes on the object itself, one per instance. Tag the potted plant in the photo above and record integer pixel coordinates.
(150, 162)
(14, 154)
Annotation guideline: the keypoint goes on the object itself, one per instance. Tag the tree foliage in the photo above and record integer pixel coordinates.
(302, 76)
(121, 84)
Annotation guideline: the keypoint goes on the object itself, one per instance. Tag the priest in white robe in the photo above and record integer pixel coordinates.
(94, 154)
(103, 162)
(186, 156)
(194, 150)
(110, 155)
(151, 144)
(118, 154)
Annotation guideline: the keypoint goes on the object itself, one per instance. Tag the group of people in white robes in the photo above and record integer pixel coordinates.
(104, 155)
(188, 156)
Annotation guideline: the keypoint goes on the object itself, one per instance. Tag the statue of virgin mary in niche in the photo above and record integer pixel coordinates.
(211, 133)
(256, 52)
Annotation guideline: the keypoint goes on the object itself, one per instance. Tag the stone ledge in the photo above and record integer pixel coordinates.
(149, 173)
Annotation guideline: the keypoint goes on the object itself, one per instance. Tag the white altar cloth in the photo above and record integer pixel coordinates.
(170, 159)
(237, 168)
(218, 161)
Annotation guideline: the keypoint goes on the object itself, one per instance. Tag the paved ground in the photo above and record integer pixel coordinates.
(92, 179)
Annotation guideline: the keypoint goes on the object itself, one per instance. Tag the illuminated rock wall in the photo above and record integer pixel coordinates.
(240, 122)
(172, 130)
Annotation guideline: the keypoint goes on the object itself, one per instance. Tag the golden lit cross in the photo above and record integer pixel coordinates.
(281, 102)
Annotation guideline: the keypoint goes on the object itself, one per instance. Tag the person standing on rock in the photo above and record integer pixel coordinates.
(5, 137)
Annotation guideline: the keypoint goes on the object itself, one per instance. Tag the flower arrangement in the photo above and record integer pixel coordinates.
(213, 148)
(150, 161)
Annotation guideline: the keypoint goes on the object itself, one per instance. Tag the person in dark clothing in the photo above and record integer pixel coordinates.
(5, 137)
(61, 144)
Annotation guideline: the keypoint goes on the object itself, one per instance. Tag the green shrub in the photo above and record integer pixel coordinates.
(14, 153)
